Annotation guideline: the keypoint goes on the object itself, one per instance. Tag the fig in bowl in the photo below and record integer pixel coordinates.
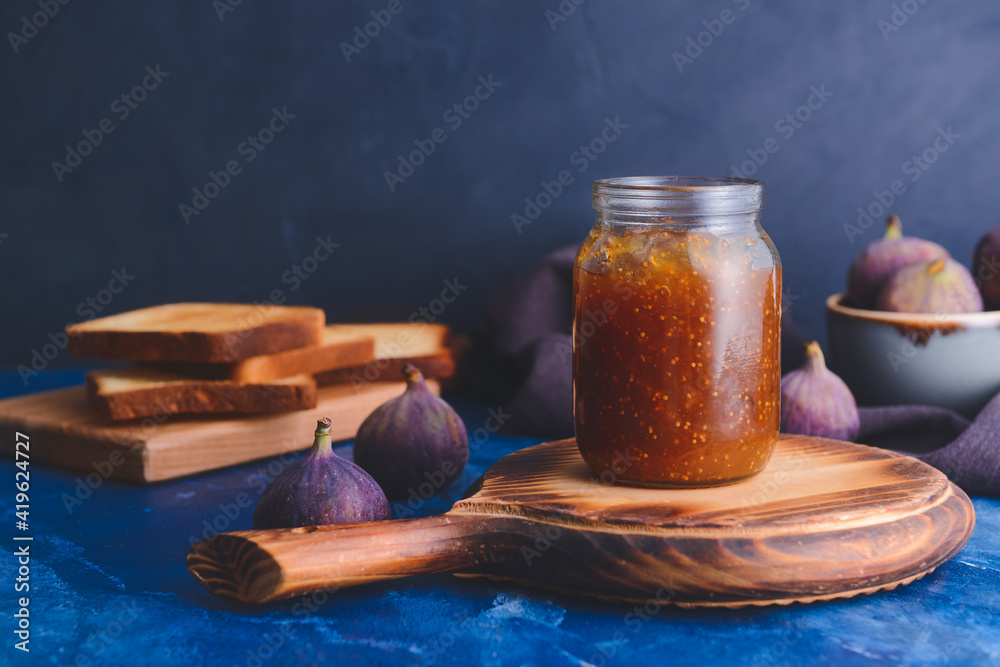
(987, 268)
(941, 286)
(877, 263)
(897, 358)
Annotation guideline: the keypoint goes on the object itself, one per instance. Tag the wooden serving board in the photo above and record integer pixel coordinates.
(66, 431)
(826, 519)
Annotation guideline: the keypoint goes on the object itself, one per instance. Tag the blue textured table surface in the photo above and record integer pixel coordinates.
(108, 585)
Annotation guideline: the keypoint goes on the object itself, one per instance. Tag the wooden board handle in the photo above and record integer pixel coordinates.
(264, 565)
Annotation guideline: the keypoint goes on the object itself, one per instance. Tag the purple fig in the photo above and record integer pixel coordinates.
(936, 286)
(320, 488)
(986, 268)
(814, 401)
(414, 443)
(881, 259)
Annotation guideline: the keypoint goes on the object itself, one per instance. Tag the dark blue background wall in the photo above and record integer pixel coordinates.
(894, 87)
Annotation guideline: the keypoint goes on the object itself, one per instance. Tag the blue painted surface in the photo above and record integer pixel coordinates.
(109, 586)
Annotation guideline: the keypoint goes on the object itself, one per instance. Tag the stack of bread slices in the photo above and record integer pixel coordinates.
(211, 358)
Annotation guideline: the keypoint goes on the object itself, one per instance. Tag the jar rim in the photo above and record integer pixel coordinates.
(678, 195)
(678, 187)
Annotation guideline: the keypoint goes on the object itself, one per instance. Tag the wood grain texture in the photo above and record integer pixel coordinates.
(338, 350)
(197, 332)
(66, 432)
(826, 519)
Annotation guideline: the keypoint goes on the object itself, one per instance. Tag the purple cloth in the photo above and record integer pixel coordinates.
(524, 359)
(968, 453)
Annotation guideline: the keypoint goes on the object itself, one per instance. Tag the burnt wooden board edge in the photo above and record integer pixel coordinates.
(704, 566)
(709, 604)
(553, 518)
(935, 488)
(727, 571)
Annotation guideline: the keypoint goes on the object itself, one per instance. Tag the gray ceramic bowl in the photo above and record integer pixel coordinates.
(905, 358)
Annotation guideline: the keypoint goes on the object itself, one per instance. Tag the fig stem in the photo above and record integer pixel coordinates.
(814, 357)
(893, 227)
(412, 374)
(322, 443)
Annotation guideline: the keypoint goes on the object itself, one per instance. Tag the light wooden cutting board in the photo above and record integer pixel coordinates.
(65, 431)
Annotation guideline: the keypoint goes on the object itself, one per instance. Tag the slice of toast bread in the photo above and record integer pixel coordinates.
(395, 340)
(438, 366)
(422, 344)
(132, 393)
(197, 332)
(338, 349)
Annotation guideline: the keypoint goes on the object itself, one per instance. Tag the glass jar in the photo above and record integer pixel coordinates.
(676, 333)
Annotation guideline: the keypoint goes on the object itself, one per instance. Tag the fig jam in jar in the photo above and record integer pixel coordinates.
(676, 333)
